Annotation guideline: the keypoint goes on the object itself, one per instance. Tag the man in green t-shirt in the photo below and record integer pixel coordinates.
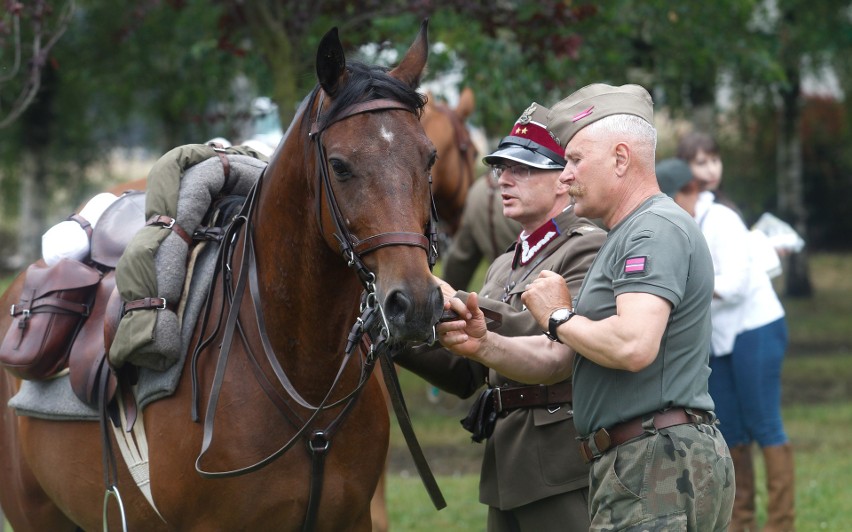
(637, 335)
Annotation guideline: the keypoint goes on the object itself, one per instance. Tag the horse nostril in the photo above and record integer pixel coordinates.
(398, 305)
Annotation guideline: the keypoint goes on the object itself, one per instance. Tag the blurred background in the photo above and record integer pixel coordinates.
(92, 92)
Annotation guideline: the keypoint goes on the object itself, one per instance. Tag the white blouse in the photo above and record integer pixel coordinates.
(744, 298)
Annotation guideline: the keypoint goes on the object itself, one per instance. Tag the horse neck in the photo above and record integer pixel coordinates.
(309, 296)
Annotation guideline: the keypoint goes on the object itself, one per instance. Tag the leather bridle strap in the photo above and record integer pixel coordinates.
(347, 241)
(382, 104)
(247, 263)
(368, 245)
(407, 429)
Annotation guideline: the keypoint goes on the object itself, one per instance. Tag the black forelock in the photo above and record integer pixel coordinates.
(371, 82)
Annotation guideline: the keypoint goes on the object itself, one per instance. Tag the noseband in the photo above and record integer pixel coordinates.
(352, 248)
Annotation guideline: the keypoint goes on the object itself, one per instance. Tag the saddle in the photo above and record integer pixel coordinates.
(64, 314)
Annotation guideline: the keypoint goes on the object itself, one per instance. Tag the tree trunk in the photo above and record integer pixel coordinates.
(31, 218)
(267, 24)
(37, 133)
(791, 197)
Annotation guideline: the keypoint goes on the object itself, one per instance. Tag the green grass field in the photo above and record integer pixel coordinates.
(817, 395)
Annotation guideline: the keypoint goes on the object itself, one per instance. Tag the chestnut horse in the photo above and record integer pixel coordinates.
(453, 173)
(352, 175)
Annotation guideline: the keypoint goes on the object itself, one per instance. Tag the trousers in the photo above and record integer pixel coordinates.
(566, 512)
(679, 478)
(746, 387)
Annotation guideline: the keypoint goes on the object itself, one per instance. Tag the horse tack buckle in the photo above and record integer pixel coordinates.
(318, 442)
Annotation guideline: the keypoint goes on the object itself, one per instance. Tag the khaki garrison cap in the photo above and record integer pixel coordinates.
(596, 101)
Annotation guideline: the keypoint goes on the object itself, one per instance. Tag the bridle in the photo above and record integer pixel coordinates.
(370, 331)
(351, 247)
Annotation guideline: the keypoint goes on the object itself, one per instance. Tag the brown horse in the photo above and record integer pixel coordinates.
(453, 173)
(369, 177)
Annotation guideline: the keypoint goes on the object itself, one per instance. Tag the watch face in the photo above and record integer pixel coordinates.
(559, 314)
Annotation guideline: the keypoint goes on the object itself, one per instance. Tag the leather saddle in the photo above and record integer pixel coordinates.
(113, 232)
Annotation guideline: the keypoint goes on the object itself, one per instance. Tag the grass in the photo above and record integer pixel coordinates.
(817, 400)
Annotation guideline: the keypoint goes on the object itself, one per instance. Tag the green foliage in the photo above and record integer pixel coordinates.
(160, 74)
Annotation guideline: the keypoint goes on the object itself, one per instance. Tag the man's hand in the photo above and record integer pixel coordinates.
(466, 335)
(545, 294)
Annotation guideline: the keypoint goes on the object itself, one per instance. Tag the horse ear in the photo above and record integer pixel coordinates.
(466, 103)
(412, 65)
(331, 63)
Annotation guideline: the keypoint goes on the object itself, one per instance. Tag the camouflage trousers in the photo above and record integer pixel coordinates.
(679, 478)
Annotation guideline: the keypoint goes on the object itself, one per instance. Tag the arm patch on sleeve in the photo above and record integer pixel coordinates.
(635, 265)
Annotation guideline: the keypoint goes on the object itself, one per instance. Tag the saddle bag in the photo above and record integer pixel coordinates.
(54, 302)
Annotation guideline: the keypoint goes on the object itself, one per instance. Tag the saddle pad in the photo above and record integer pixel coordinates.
(55, 400)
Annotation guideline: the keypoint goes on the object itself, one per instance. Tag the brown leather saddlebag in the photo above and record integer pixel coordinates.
(54, 302)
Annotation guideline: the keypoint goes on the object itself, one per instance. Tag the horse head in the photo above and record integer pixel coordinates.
(453, 173)
(370, 173)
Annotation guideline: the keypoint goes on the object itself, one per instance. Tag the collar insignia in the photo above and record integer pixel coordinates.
(530, 246)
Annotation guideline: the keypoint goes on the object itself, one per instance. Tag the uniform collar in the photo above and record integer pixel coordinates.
(528, 248)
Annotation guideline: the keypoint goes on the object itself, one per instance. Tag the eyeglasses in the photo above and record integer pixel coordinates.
(519, 171)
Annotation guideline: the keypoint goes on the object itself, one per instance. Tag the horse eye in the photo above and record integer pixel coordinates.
(432, 160)
(340, 169)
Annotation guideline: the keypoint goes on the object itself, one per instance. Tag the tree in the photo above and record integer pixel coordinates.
(28, 31)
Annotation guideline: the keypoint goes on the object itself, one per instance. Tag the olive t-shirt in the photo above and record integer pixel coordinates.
(657, 249)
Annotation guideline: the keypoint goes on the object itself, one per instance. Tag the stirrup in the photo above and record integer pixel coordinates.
(113, 491)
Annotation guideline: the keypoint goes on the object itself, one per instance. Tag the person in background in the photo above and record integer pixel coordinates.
(484, 233)
(532, 477)
(748, 346)
(637, 336)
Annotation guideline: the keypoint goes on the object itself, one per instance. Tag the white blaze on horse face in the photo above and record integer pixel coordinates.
(387, 135)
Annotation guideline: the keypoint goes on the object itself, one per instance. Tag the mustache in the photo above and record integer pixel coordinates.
(576, 190)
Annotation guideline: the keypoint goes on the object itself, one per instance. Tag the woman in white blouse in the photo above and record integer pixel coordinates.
(747, 346)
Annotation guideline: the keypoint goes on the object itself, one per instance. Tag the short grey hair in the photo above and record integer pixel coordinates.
(630, 126)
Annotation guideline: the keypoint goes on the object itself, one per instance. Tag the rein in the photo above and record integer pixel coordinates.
(370, 331)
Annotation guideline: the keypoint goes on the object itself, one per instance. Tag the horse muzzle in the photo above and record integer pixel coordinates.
(410, 318)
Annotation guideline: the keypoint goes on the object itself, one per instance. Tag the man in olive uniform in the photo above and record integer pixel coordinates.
(533, 477)
(484, 233)
(637, 335)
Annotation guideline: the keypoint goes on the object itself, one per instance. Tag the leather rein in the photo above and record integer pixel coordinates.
(370, 332)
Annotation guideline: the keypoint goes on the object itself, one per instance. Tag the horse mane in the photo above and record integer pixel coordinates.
(365, 83)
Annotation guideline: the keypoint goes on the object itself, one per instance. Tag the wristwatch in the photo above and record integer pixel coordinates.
(557, 318)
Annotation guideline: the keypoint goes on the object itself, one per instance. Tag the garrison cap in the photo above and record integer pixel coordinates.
(530, 142)
(673, 175)
(596, 101)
